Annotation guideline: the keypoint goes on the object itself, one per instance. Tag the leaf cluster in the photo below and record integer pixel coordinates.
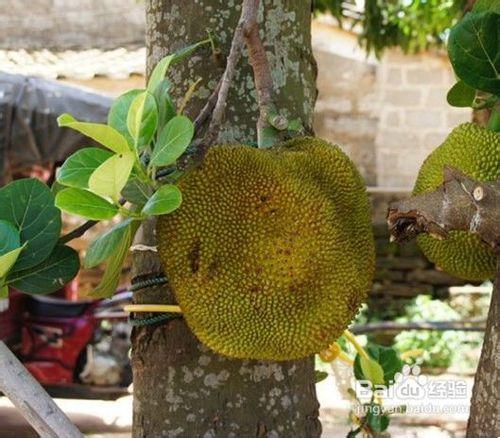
(474, 51)
(412, 25)
(144, 135)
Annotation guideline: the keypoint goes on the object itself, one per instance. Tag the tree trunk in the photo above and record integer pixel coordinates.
(484, 420)
(181, 388)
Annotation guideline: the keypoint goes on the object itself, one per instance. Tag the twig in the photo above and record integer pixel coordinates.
(269, 116)
(82, 229)
(207, 110)
(77, 232)
(460, 203)
(223, 92)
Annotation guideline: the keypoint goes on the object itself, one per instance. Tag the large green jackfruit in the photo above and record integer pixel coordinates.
(271, 253)
(476, 152)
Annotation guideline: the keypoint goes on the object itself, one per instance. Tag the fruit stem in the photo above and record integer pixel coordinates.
(352, 339)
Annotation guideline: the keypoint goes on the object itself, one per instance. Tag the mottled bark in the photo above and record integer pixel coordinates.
(180, 387)
(484, 420)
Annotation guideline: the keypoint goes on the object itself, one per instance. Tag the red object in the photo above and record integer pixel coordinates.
(51, 346)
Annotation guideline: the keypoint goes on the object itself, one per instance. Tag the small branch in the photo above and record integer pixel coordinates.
(82, 229)
(460, 203)
(77, 232)
(207, 110)
(262, 75)
(222, 93)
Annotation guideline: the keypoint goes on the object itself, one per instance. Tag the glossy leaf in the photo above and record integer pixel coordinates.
(474, 51)
(486, 5)
(165, 200)
(112, 175)
(387, 358)
(461, 95)
(111, 277)
(142, 119)
(377, 420)
(117, 116)
(137, 192)
(7, 260)
(103, 134)
(76, 170)
(4, 290)
(161, 68)
(52, 274)
(9, 237)
(173, 141)
(106, 244)
(28, 204)
(166, 106)
(85, 204)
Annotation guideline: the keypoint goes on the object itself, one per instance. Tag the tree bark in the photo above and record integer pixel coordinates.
(484, 419)
(181, 388)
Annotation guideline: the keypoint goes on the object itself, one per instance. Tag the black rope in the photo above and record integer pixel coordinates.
(155, 281)
(157, 319)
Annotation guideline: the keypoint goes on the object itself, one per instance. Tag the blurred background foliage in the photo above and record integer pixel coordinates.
(413, 25)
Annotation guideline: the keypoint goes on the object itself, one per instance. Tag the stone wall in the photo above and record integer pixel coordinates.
(414, 117)
(68, 24)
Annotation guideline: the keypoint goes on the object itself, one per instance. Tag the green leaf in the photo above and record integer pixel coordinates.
(461, 95)
(474, 51)
(166, 106)
(4, 290)
(377, 421)
(104, 134)
(86, 204)
(486, 5)
(117, 116)
(106, 244)
(387, 358)
(142, 119)
(319, 376)
(174, 139)
(137, 192)
(8, 259)
(160, 70)
(9, 237)
(112, 175)
(76, 170)
(28, 204)
(372, 370)
(52, 274)
(165, 200)
(111, 277)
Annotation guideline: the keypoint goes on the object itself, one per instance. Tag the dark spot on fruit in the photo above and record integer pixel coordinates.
(194, 256)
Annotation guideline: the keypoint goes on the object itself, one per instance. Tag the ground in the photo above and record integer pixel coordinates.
(108, 419)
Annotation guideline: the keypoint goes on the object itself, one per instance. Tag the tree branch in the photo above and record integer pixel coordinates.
(460, 203)
(269, 119)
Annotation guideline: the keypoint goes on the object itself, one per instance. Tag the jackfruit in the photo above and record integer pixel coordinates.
(271, 253)
(474, 151)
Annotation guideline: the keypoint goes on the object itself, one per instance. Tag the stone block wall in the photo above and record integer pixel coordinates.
(345, 107)
(414, 117)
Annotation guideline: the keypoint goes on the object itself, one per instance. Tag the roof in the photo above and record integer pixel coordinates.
(118, 63)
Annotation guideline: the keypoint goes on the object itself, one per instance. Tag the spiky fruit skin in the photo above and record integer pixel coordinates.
(271, 253)
(476, 152)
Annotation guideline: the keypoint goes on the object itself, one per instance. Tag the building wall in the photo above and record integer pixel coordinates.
(68, 24)
(414, 117)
